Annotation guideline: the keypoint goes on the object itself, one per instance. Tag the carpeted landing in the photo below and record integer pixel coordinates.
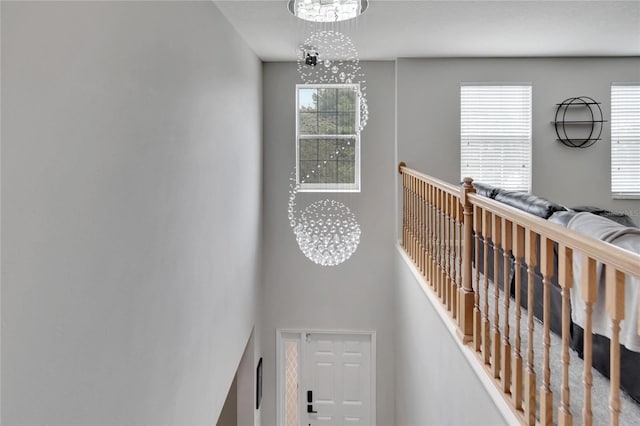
(630, 410)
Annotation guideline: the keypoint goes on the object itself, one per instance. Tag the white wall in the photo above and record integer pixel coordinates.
(435, 383)
(358, 293)
(131, 204)
(429, 120)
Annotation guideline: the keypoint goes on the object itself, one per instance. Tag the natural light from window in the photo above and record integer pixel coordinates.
(625, 140)
(327, 143)
(495, 134)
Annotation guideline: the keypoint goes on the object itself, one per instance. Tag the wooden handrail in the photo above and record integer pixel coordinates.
(450, 233)
(440, 184)
(621, 259)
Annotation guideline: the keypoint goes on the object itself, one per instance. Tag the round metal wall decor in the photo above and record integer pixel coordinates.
(578, 122)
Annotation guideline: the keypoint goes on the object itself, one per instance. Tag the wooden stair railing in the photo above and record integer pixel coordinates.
(447, 229)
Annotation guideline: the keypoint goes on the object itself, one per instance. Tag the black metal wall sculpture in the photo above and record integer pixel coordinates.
(590, 126)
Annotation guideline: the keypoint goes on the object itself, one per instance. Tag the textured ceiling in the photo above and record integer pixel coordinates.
(453, 28)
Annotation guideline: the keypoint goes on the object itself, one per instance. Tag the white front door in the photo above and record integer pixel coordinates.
(336, 383)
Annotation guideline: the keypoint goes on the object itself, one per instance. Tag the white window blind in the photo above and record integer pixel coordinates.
(495, 135)
(625, 141)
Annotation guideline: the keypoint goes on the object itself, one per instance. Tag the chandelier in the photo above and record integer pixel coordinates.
(327, 10)
(330, 57)
(327, 231)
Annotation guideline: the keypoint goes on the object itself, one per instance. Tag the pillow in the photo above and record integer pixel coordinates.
(485, 190)
(533, 204)
(562, 217)
(621, 218)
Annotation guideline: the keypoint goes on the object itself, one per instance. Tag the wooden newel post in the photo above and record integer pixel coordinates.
(466, 296)
(403, 212)
(400, 166)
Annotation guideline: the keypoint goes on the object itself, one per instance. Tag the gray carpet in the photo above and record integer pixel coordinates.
(630, 410)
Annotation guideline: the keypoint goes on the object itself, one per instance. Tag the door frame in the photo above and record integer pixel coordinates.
(300, 333)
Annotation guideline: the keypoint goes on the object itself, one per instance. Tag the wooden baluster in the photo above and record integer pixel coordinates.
(409, 219)
(486, 324)
(495, 338)
(615, 308)
(408, 190)
(417, 221)
(506, 344)
(447, 224)
(530, 378)
(477, 318)
(589, 295)
(409, 215)
(404, 202)
(458, 265)
(443, 242)
(441, 276)
(565, 279)
(445, 250)
(454, 226)
(414, 225)
(450, 239)
(420, 228)
(424, 229)
(466, 296)
(431, 235)
(436, 242)
(518, 253)
(434, 252)
(546, 267)
(425, 210)
(437, 248)
(404, 211)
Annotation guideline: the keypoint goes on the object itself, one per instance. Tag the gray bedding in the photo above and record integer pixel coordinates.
(624, 237)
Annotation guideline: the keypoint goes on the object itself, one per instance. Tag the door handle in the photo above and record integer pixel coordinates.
(310, 402)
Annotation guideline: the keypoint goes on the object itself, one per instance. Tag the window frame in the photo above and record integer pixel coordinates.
(529, 176)
(618, 195)
(329, 187)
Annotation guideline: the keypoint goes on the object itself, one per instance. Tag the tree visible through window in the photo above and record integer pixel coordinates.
(327, 144)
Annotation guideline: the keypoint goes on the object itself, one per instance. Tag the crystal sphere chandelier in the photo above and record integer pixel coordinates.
(326, 231)
(327, 10)
(330, 57)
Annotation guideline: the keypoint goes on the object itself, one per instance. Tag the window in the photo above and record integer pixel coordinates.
(495, 135)
(625, 140)
(327, 145)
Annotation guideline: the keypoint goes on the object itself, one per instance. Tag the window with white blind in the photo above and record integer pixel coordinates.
(625, 140)
(495, 134)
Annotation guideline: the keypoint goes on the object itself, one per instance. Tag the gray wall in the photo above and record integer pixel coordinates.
(429, 120)
(131, 204)
(356, 294)
(433, 378)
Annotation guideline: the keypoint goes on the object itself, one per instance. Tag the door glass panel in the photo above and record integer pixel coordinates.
(291, 383)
